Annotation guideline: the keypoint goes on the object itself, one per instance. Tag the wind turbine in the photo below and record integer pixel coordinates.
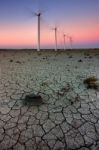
(64, 38)
(55, 30)
(38, 15)
(71, 41)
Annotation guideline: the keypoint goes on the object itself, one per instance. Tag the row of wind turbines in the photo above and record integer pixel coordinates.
(55, 29)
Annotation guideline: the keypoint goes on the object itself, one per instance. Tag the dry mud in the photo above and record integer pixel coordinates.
(69, 117)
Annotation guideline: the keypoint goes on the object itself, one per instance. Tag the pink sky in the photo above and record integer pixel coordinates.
(13, 35)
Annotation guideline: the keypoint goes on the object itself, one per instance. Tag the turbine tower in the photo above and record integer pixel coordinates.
(39, 28)
(55, 30)
(64, 38)
(71, 41)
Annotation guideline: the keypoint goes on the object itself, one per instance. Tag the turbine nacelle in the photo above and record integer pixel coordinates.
(37, 14)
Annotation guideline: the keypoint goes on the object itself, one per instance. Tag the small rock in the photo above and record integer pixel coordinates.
(11, 60)
(80, 60)
(90, 57)
(18, 62)
(70, 56)
(33, 99)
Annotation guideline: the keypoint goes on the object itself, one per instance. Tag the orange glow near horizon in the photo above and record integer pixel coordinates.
(27, 35)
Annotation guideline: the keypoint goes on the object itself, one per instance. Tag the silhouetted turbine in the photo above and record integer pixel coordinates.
(55, 30)
(64, 38)
(71, 41)
(39, 28)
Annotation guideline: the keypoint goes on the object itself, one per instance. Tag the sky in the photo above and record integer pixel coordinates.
(76, 18)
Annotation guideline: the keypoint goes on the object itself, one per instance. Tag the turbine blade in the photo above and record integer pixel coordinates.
(29, 13)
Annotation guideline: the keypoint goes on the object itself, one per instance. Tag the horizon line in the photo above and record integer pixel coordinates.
(49, 49)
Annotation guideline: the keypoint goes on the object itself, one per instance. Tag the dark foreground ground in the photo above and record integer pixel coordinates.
(68, 118)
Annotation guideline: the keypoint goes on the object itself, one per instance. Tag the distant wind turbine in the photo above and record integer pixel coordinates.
(64, 38)
(55, 30)
(71, 41)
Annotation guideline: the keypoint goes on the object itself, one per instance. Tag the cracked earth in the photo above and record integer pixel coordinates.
(68, 119)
